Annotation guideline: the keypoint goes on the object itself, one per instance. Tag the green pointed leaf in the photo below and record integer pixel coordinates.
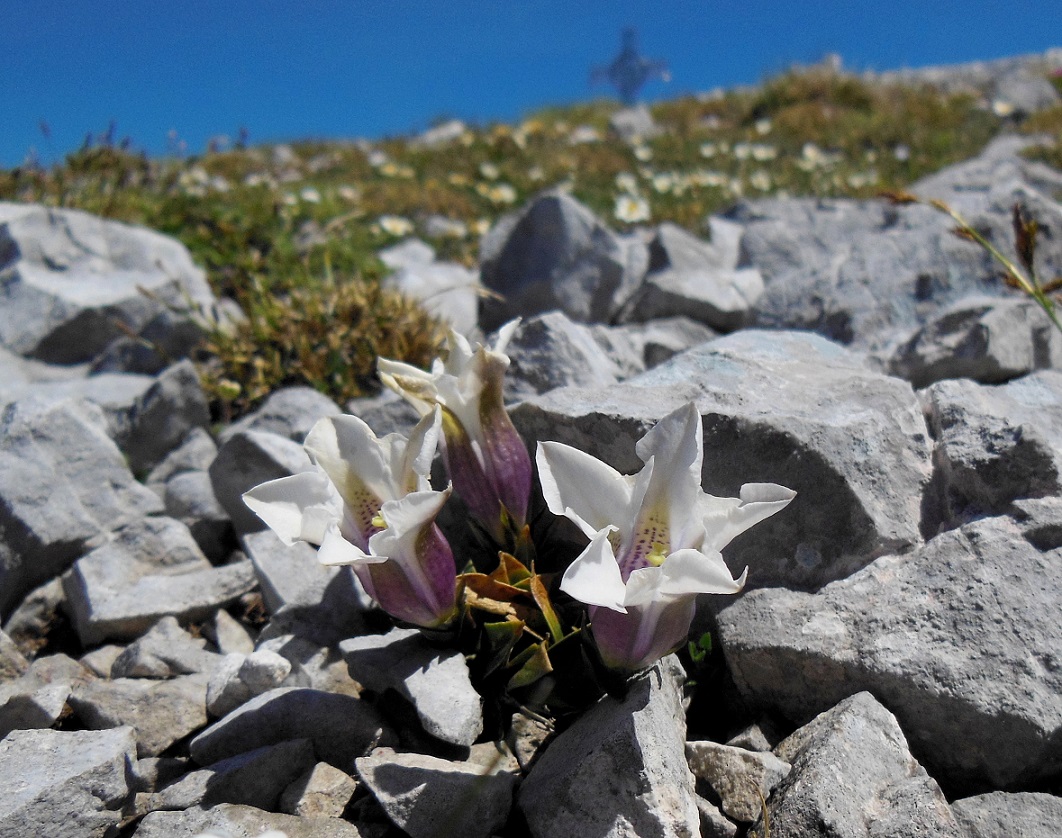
(541, 595)
(535, 667)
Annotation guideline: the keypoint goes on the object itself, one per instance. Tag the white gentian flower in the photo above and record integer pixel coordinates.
(368, 504)
(654, 537)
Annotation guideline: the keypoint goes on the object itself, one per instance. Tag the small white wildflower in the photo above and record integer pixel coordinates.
(902, 153)
(1002, 108)
(631, 209)
(763, 126)
(663, 183)
(481, 226)
(742, 151)
(395, 225)
(626, 182)
(489, 171)
(348, 193)
(643, 153)
(501, 193)
(584, 134)
(310, 195)
(763, 152)
(536, 173)
(377, 158)
(709, 149)
(760, 179)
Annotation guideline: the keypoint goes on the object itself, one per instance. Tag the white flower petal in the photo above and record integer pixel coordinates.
(726, 518)
(579, 486)
(349, 452)
(643, 587)
(691, 572)
(336, 550)
(594, 577)
(296, 508)
(418, 453)
(505, 334)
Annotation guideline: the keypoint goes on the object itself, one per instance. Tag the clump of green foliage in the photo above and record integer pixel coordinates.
(292, 232)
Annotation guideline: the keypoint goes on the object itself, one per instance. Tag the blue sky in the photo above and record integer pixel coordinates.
(289, 69)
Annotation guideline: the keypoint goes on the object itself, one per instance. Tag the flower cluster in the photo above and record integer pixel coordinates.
(653, 539)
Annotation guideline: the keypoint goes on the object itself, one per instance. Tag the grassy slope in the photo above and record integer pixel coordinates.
(291, 232)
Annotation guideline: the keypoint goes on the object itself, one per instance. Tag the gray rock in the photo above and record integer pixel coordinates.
(166, 650)
(30, 623)
(37, 698)
(289, 412)
(853, 776)
(63, 486)
(159, 420)
(436, 682)
(620, 769)
(988, 340)
(237, 821)
(428, 797)
(759, 736)
(323, 604)
(742, 779)
(101, 659)
(189, 497)
(256, 778)
(999, 813)
(995, 443)
(958, 635)
(227, 634)
(239, 678)
(72, 281)
(246, 459)
(446, 290)
(321, 792)
(387, 412)
(1040, 520)
(549, 351)
(688, 277)
(777, 407)
(714, 824)
(340, 726)
(554, 254)
(636, 347)
(634, 124)
(115, 394)
(152, 569)
(288, 575)
(162, 712)
(12, 661)
(64, 784)
(865, 272)
(312, 664)
(195, 453)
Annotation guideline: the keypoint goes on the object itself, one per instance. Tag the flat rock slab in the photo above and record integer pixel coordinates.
(161, 712)
(63, 486)
(150, 570)
(435, 681)
(777, 407)
(999, 814)
(620, 770)
(427, 797)
(341, 727)
(853, 777)
(256, 778)
(64, 784)
(235, 821)
(961, 635)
